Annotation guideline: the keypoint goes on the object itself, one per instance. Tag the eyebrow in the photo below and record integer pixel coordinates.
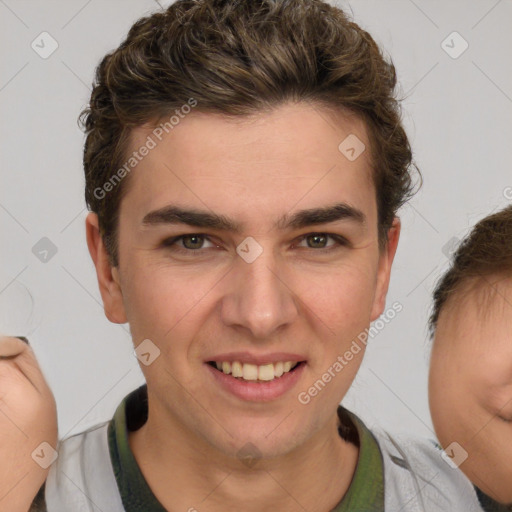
(173, 214)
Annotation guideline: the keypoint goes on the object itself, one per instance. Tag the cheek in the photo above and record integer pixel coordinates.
(496, 399)
(159, 297)
(337, 297)
(340, 300)
(489, 454)
(345, 289)
(457, 393)
(355, 289)
(449, 400)
(456, 388)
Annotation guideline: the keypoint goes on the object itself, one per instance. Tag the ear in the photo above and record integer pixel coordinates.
(108, 277)
(386, 257)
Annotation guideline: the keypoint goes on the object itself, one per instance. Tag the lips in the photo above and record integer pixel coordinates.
(252, 389)
(256, 377)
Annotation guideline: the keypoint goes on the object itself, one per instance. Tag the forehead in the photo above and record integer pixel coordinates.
(479, 312)
(296, 153)
(474, 337)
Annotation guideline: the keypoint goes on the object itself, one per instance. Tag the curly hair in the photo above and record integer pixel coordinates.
(485, 252)
(240, 58)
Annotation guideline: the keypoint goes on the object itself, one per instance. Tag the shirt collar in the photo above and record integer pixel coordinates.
(366, 491)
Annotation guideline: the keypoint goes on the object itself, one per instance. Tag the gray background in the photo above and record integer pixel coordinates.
(457, 111)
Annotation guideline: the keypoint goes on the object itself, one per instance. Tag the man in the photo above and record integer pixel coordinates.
(244, 164)
(470, 379)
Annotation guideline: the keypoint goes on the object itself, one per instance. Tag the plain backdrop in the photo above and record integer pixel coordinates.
(458, 114)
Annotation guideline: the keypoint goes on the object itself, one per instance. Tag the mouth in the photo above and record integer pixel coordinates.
(253, 373)
(251, 382)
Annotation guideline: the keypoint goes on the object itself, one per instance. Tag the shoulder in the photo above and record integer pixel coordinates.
(83, 473)
(419, 473)
(91, 444)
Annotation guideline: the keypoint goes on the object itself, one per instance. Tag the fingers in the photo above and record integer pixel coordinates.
(11, 346)
(28, 419)
(15, 351)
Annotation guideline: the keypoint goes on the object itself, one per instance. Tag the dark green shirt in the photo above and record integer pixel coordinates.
(365, 494)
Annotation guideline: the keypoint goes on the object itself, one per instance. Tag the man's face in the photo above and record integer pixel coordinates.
(470, 385)
(266, 294)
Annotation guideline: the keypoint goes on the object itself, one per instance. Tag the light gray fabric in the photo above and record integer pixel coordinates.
(82, 478)
(416, 478)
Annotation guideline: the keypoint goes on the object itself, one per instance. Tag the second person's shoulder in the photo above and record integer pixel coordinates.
(420, 476)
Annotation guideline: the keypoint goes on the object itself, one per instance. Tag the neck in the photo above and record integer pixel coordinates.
(205, 478)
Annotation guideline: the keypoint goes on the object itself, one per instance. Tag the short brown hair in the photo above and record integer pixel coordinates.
(485, 252)
(239, 58)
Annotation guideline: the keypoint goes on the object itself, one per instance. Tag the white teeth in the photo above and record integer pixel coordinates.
(266, 372)
(278, 369)
(252, 372)
(237, 369)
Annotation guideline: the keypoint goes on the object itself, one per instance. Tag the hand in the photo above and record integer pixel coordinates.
(28, 417)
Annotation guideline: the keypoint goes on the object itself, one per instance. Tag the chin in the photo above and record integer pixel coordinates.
(263, 442)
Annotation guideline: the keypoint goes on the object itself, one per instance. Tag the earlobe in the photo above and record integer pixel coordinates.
(386, 258)
(108, 277)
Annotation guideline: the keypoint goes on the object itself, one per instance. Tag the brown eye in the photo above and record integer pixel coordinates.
(317, 240)
(192, 241)
(188, 243)
(320, 241)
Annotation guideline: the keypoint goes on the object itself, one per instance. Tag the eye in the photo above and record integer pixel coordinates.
(193, 242)
(318, 241)
(187, 243)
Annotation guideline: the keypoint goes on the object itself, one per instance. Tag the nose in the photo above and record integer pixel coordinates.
(260, 298)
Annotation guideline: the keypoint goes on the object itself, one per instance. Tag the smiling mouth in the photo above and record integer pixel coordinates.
(256, 373)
